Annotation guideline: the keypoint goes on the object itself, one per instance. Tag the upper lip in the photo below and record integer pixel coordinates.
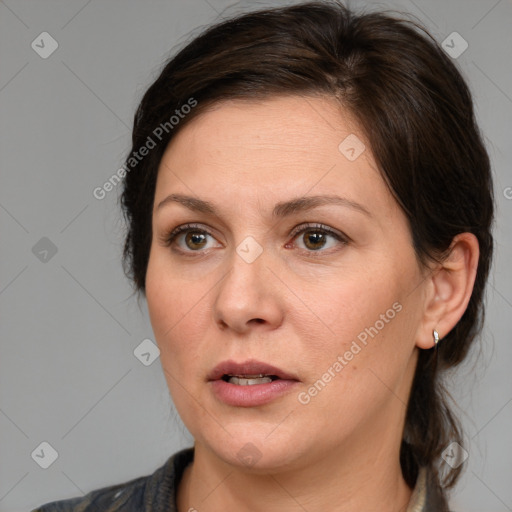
(250, 367)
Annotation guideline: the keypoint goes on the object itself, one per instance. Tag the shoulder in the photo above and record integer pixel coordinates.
(109, 499)
(142, 494)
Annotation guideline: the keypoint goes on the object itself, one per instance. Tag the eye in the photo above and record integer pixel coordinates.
(317, 237)
(190, 238)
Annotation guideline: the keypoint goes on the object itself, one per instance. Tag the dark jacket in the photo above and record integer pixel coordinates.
(157, 493)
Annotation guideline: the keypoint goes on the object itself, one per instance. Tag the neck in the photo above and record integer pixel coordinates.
(342, 480)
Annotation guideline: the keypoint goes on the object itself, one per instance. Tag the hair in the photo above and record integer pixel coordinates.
(416, 112)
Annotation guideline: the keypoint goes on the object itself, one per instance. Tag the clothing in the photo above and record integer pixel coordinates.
(157, 493)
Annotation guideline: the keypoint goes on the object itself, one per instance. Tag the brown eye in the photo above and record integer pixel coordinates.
(195, 240)
(318, 238)
(314, 239)
(188, 239)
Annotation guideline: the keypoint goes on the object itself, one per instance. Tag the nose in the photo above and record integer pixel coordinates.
(248, 297)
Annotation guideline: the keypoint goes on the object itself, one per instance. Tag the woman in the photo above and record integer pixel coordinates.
(309, 205)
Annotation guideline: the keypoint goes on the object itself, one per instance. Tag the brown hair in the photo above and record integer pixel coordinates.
(417, 114)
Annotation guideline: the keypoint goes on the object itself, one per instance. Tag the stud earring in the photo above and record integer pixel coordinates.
(436, 338)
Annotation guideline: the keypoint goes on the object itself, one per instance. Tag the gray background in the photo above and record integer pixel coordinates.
(69, 322)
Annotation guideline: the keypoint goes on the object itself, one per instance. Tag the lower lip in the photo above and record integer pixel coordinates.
(251, 396)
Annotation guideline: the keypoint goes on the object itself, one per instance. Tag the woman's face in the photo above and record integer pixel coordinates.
(278, 251)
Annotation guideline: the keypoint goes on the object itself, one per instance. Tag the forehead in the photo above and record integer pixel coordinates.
(259, 150)
(304, 124)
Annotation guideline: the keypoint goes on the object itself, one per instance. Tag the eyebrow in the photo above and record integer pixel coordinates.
(282, 209)
(192, 203)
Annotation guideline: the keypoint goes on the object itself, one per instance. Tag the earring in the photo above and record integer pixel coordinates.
(436, 338)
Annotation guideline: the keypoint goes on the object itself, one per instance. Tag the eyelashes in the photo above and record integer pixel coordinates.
(192, 238)
(310, 234)
(194, 233)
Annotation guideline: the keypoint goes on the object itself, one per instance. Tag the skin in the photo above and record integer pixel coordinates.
(294, 307)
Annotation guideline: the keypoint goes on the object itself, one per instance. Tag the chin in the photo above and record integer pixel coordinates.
(251, 449)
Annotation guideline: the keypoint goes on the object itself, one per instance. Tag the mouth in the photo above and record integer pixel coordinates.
(249, 384)
(249, 380)
(248, 373)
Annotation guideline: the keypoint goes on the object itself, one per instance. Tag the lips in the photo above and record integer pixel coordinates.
(250, 384)
(247, 370)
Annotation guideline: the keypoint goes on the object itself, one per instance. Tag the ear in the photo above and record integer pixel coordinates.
(450, 286)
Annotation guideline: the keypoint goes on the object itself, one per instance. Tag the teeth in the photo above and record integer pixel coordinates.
(249, 380)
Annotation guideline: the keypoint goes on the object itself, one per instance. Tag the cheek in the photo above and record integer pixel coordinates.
(362, 331)
(165, 300)
(350, 373)
(344, 308)
(178, 312)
